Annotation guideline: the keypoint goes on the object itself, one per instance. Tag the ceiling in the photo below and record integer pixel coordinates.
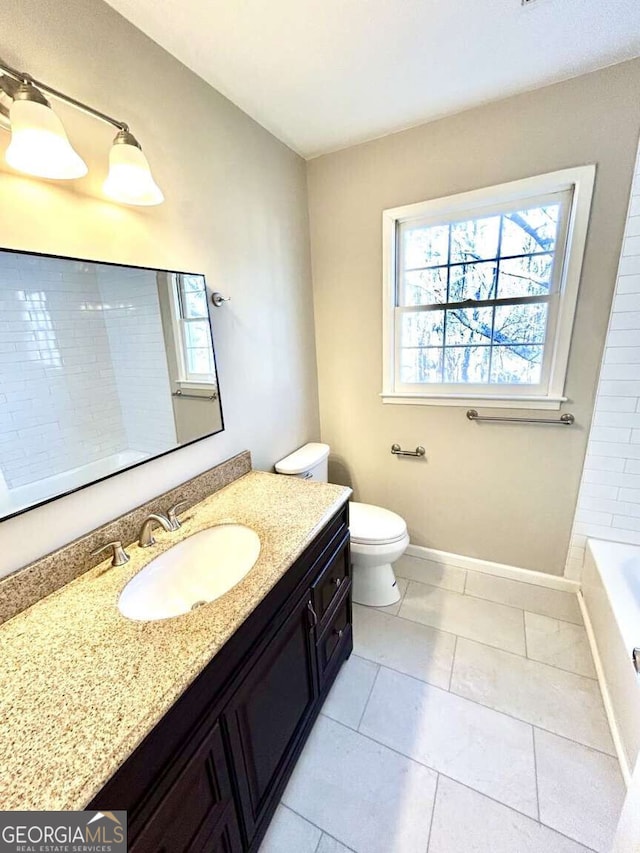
(325, 74)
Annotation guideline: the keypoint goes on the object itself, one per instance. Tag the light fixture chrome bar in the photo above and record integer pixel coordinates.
(23, 77)
(563, 420)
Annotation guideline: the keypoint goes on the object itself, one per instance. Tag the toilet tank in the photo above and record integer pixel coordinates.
(310, 462)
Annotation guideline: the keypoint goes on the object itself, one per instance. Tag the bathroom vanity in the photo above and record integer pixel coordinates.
(210, 774)
(193, 725)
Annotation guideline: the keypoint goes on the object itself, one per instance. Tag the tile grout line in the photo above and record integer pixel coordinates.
(464, 585)
(524, 634)
(404, 595)
(506, 651)
(542, 664)
(399, 672)
(535, 769)
(458, 782)
(595, 749)
(488, 645)
(444, 631)
(479, 642)
(563, 669)
(528, 723)
(493, 601)
(321, 830)
(337, 840)
(474, 702)
(366, 704)
(453, 662)
(398, 604)
(517, 607)
(522, 814)
(342, 723)
(433, 813)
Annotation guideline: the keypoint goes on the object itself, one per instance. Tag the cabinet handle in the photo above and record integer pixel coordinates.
(338, 632)
(337, 581)
(312, 614)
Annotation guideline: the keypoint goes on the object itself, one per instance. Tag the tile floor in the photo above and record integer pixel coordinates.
(467, 720)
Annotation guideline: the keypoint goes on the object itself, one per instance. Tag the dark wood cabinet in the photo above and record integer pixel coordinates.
(331, 583)
(334, 639)
(210, 775)
(198, 806)
(281, 689)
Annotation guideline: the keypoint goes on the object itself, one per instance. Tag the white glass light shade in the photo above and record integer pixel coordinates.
(130, 179)
(39, 145)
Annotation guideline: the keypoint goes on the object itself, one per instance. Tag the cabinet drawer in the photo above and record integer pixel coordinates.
(197, 809)
(331, 582)
(337, 635)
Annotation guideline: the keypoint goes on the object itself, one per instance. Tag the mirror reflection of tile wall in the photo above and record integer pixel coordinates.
(88, 370)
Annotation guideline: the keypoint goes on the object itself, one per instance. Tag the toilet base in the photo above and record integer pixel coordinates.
(375, 586)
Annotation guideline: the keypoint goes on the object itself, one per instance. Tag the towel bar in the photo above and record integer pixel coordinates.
(397, 451)
(564, 420)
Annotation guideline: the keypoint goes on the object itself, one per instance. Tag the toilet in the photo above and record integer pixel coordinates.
(378, 536)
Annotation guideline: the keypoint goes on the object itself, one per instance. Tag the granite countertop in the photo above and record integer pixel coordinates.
(81, 686)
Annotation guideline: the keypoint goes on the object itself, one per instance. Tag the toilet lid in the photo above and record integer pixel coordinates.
(373, 525)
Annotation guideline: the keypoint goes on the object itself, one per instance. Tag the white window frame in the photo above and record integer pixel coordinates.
(186, 381)
(579, 181)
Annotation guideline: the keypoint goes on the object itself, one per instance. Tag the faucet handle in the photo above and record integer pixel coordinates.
(119, 556)
(172, 514)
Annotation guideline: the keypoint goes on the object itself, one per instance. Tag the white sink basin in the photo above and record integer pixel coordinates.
(194, 572)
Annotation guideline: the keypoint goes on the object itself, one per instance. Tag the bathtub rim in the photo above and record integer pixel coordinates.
(599, 549)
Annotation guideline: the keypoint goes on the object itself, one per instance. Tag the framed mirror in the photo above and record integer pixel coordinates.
(102, 367)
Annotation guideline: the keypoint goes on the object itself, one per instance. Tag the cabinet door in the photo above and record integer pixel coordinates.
(197, 813)
(267, 715)
(226, 835)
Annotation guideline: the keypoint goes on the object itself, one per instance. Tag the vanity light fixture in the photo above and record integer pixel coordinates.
(39, 145)
(130, 179)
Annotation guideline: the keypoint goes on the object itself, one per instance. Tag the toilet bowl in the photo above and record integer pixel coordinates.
(378, 536)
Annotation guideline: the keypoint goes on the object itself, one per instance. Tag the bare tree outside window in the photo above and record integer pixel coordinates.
(481, 288)
(480, 292)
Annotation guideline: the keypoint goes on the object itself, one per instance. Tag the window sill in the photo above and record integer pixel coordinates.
(192, 385)
(486, 402)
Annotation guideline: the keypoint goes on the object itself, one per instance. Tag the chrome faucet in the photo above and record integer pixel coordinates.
(145, 538)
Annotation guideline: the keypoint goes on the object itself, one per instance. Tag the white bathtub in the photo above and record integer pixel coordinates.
(611, 591)
(13, 500)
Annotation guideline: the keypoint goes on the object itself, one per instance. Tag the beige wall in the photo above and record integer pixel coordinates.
(498, 492)
(236, 209)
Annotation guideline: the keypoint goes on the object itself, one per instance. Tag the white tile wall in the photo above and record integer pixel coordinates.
(134, 328)
(83, 371)
(60, 407)
(609, 499)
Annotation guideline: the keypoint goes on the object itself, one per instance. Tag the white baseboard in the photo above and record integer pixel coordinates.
(501, 570)
(606, 696)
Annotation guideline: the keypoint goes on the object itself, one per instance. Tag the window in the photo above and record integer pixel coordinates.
(480, 292)
(195, 349)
